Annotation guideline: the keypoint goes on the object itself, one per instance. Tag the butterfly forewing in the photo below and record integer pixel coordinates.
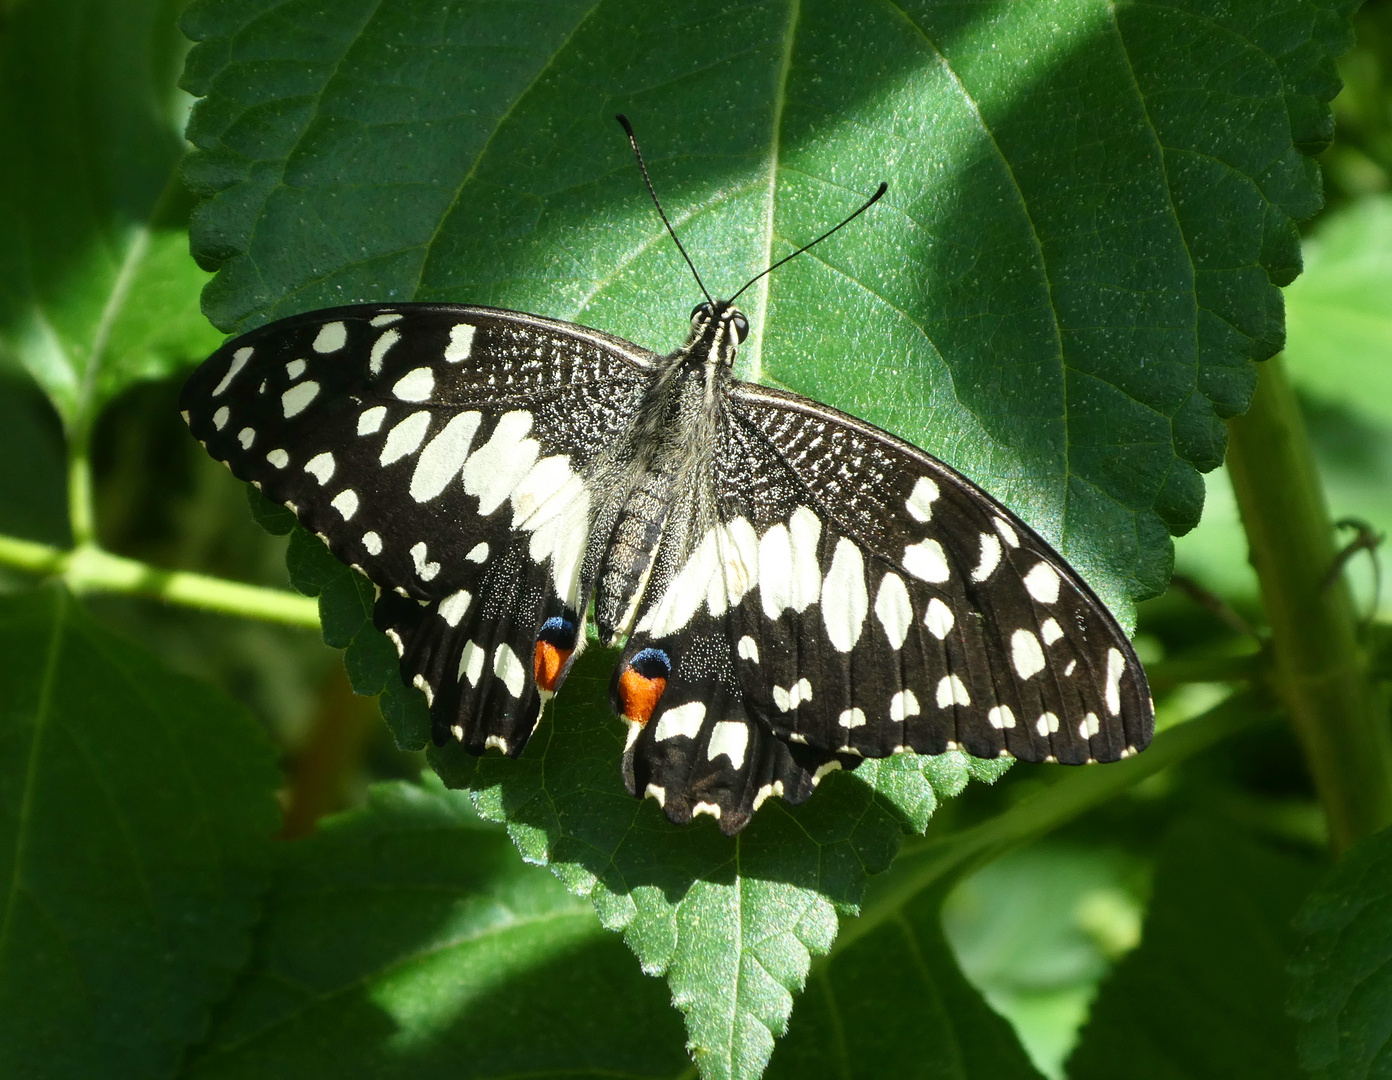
(441, 450)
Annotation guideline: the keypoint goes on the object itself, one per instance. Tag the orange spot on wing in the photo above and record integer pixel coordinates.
(639, 695)
(547, 664)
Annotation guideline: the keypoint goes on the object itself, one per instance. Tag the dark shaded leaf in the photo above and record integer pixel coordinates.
(1204, 994)
(135, 820)
(1342, 993)
(894, 1003)
(408, 939)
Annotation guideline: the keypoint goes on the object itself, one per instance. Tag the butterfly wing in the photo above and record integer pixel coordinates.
(442, 450)
(855, 597)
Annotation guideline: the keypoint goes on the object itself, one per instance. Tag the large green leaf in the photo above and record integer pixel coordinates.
(136, 810)
(1204, 993)
(1343, 977)
(1061, 294)
(96, 287)
(408, 939)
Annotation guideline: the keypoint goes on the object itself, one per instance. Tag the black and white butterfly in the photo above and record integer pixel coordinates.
(795, 590)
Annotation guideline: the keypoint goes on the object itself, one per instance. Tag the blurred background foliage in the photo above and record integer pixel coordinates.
(1035, 931)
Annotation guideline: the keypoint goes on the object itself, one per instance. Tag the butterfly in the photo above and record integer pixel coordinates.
(793, 589)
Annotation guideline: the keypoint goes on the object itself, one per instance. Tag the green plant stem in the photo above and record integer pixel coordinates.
(1081, 789)
(89, 569)
(1320, 670)
(81, 518)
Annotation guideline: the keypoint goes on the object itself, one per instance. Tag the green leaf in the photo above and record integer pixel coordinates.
(1204, 993)
(1339, 314)
(731, 922)
(135, 821)
(96, 286)
(1342, 992)
(895, 1004)
(1036, 930)
(1061, 294)
(408, 939)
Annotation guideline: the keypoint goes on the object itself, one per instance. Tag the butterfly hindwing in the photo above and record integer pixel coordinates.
(442, 450)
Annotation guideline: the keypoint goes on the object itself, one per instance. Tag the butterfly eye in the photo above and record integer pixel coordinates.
(741, 327)
(700, 309)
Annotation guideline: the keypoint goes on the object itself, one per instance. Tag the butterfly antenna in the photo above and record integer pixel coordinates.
(884, 186)
(633, 142)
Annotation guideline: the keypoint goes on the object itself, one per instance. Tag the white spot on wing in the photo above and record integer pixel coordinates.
(221, 417)
(828, 767)
(990, 557)
(478, 552)
(748, 649)
(416, 385)
(765, 792)
(731, 738)
(925, 560)
(461, 343)
(1051, 631)
(471, 663)
(903, 705)
(1008, 533)
(1000, 716)
(370, 422)
(346, 503)
(920, 501)
(239, 359)
(508, 668)
(455, 606)
(1116, 664)
(789, 575)
(425, 570)
(938, 618)
(789, 699)
(321, 467)
(952, 691)
(372, 542)
(1026, 654)
(331, 337)
(706, 808)
(1043, 583)
(1089, 726)
(295, 369)
(385, 319)
(684, 720)
(844, 599)
(246, 437)
(893, 609)
(1047, 724)
(379, 352)
(494, 469)
(851, 718)
(295, 400)
(278, 458)
(405, 438)
(658, 794)
(443, 457)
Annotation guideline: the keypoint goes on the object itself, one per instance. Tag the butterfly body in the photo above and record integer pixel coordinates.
(794, 590)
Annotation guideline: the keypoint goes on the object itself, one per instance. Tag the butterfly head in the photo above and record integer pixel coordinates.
(717, 329)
